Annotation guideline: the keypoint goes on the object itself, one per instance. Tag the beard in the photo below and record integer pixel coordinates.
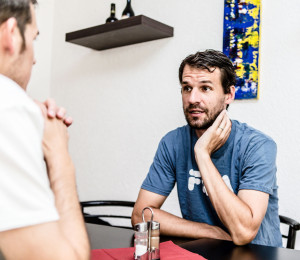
(202, 124)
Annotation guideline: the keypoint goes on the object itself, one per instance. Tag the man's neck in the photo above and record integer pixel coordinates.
(200, 132)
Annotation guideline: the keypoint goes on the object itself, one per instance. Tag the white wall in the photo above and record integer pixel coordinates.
(125, 99)
(39, 86)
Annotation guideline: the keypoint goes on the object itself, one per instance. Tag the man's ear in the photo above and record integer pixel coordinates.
(9, 31)
(229, 97)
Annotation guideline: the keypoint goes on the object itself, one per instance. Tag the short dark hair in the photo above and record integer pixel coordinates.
(209, 60)
(20, 10)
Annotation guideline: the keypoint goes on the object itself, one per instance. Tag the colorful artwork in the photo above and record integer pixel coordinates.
(241, 43)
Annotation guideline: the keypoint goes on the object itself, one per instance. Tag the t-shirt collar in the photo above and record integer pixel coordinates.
(223, 148)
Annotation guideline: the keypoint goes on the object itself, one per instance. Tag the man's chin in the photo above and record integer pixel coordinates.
(199, 125)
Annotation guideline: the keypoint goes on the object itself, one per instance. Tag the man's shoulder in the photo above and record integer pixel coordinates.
(250, 135)
(13, 97)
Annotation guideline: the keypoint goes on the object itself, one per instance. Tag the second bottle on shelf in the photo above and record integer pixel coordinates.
(128, 12)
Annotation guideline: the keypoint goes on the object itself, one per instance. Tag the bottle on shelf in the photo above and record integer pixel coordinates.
(112, 17)
(128, 12)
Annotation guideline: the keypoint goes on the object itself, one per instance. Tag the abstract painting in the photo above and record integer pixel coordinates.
(241, 44)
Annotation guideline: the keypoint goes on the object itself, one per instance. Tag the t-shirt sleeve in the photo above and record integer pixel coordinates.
(161, 176)
(259, 167)
(25, 195)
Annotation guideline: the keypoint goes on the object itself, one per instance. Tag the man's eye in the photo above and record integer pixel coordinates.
(186, 89)
(206, 88)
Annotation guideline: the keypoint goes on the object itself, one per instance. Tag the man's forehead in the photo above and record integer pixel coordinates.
(194, 72)
(193, 69)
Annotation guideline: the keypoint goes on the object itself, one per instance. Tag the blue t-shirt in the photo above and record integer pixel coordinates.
(245, 161)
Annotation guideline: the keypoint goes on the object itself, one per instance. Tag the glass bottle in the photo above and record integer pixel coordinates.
(128, 12)
(154, 239)
(112, 17)
(141, 241)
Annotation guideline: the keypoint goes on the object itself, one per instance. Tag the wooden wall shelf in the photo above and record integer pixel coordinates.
(132, 30)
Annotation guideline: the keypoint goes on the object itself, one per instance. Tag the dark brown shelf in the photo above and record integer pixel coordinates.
(132, 30)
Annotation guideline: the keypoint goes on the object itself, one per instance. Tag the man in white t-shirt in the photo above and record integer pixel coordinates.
(40, 214)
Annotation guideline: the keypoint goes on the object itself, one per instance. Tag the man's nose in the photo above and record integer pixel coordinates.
(195, 96)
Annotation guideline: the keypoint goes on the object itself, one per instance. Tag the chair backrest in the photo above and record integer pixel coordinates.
(294, 226)
(103, 218)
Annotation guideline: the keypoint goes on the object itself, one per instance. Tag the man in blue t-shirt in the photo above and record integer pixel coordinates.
(225, 170)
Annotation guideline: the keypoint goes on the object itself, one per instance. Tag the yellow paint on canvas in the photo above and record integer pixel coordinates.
(254, 2)
(240, 71)
(255, 11)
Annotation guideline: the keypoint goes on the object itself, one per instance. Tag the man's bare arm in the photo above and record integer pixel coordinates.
(43, 241)
(170, 224)
(242, 214)
(61, 174)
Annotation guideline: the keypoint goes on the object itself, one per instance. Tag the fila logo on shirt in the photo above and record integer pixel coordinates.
(195, 179)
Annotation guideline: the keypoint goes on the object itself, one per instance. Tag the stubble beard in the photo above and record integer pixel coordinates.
(202, 124)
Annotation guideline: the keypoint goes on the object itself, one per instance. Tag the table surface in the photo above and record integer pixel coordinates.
(212, 249)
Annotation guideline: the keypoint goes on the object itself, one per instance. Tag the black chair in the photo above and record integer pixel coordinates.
(294, 226)
(98, 218)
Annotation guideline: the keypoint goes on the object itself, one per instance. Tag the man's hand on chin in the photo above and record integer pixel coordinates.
(215, 136)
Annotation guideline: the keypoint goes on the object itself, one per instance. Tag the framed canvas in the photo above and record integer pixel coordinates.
(241, 44)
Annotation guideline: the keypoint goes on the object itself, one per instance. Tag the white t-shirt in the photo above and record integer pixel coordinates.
(25, 195)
